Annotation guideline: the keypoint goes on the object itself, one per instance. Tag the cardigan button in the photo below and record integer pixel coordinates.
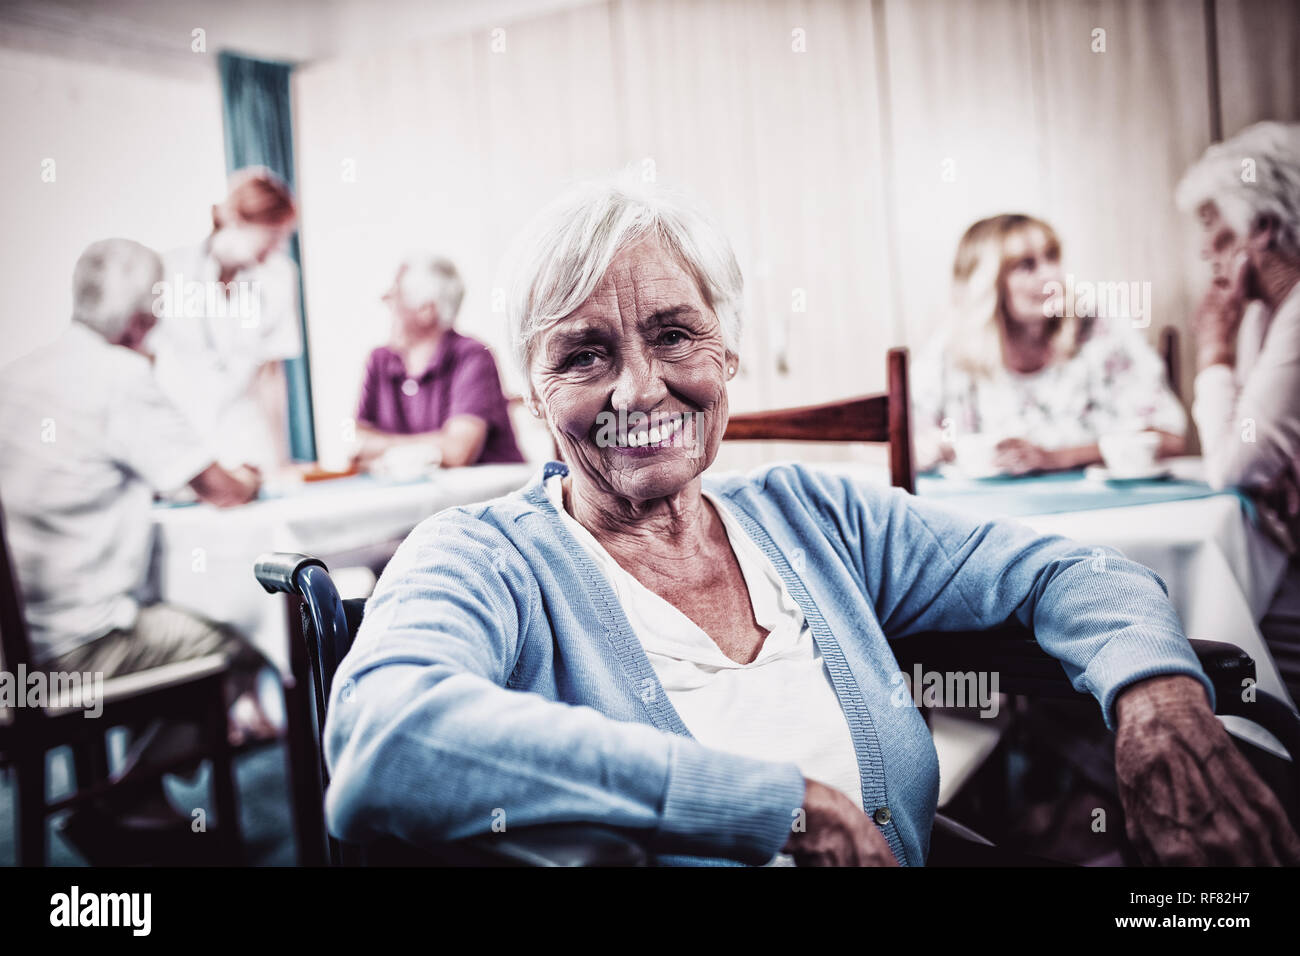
(882, 815)
(410, 388)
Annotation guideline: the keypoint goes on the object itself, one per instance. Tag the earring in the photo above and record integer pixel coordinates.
(731, 370)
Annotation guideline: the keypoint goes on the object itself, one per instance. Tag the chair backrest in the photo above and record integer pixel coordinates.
(877, 419)
(15, 644)
(1172, 361)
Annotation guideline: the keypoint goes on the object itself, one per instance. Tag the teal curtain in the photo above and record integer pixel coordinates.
(259, 132)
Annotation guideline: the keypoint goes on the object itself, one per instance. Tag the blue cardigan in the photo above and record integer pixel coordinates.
(496, 681)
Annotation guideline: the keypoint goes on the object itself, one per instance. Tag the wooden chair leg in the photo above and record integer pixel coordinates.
(224, 797)
(29, 812)
(90, 759)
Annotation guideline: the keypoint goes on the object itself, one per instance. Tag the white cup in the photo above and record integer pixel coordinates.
(407, 462)
(1129, 453)
(975, 453)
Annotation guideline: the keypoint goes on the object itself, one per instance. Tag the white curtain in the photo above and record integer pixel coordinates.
(1258, 43)
(93, 151)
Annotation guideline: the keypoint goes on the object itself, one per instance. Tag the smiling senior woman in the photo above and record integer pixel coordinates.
(708, 659)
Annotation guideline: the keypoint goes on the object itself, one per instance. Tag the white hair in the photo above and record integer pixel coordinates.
(422, 279)
(560, 257)
(1254, 174)
(112, 281)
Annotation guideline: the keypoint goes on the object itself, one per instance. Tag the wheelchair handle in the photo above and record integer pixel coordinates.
(277, 571)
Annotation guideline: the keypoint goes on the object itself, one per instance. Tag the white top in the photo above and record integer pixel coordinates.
(1249, 416)
(209, 347)
(86, 437)
(1113, 383)
(781, 706)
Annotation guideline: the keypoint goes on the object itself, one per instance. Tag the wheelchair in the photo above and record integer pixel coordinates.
(327, 625)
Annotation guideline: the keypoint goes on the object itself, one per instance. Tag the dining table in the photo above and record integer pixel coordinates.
(204, 555)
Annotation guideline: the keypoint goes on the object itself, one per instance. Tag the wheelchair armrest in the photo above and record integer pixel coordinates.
(277, 571)
(1020, 662)
(1023, 667)
(553, 844)
(1228, 667)
(354, 610)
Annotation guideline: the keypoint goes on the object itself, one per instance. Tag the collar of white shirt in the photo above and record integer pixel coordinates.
(675, 635)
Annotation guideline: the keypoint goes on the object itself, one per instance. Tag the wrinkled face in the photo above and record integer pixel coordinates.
(634, 383)
(1032, 279)
(1220, 243)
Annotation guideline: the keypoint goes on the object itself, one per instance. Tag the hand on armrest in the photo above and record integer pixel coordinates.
(1190, 797)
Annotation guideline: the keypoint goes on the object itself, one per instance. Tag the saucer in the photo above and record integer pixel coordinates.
(953, 471)
(1156, 472)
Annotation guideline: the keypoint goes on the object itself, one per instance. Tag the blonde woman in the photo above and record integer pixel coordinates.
(1040, 383)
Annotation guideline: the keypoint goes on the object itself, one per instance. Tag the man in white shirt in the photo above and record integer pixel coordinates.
(1246, 194)
(228, 318)
(86, 439)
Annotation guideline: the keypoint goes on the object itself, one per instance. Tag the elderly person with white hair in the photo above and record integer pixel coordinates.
(86, 439)
(1246, 194)
(707, 659)
(432, 392)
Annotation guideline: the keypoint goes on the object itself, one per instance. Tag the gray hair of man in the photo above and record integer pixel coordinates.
(559, 258)
(1252, 175)
(113, 280)
(422, 279)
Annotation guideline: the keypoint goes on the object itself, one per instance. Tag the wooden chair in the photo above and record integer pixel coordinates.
(191, 691)
(876, 419)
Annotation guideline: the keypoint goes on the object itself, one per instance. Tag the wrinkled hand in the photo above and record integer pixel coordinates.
(1016, 456)
(229, 489)
(249, 479)
(1190, 797)
(836, 832)
(371, 448)
(1218, 317)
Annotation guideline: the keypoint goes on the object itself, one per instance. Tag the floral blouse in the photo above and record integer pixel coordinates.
(1114, 382)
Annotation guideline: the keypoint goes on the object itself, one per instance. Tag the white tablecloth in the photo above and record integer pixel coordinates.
(205, 555)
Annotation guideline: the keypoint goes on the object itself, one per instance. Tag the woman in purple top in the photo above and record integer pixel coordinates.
(431, 386)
